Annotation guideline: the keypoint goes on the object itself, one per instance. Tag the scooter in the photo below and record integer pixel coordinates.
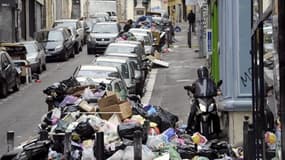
(206, 115)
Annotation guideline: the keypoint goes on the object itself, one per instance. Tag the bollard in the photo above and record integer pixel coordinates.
(10, 140)
(245, 137)
(168, 37)
(99, 146)
(67, 145)
(189, 39)
(138, 145)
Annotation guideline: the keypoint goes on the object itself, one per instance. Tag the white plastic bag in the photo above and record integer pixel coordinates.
(147, 154)
(88, 94)
(117, 156)
(88, 152)
(156, 142)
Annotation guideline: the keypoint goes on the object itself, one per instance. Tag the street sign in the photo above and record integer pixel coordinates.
(209, 41)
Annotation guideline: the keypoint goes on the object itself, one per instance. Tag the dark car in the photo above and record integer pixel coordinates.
(102, 34)
(36, 56)
(9, 76)
(57, 43)
(77, 43)
(75, 23)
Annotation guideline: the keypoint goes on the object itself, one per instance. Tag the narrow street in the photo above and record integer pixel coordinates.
(22, 111)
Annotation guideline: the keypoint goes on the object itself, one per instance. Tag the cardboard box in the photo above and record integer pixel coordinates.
(86, 107)
(112, 108)
(125, 109)
(108, 100)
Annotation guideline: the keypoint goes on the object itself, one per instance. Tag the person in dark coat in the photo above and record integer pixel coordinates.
(191, 19)
(128, 26)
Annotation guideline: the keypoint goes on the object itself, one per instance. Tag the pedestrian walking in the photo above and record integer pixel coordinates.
(191, 19)
(128, 25)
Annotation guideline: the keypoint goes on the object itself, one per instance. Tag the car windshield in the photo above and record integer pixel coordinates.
(124, 69)
(120, 49)
(31, 49)
(94, 73)
(105, 28)
(46, 36)
(64, 24)
(144, 38)
(105, 63)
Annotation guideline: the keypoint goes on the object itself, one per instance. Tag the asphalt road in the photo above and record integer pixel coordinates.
(168, 91)
(22, 111)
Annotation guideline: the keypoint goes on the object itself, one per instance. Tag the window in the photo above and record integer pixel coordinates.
(5, 62)
(123, 91)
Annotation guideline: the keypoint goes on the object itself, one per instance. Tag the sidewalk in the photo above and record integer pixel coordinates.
(168, 91)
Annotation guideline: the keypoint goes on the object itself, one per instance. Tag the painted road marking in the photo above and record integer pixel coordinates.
(184, 80)
(149, 86)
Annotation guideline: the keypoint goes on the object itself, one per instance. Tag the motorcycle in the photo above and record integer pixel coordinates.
(206, 113)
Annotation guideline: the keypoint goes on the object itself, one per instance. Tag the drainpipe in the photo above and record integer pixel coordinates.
(281, 52)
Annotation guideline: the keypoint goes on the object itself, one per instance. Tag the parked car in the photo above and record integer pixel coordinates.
(85, 30)
(142, 31)
(36, 56)
(104, 15)
(77, 43)
(113, 16)
(57, 43)
(126, 48)
(9, 75)
(140, 69)
(126, 68)
(115, 85)
(147, 42)
(71, 23)
(102, 34)
(86, 71)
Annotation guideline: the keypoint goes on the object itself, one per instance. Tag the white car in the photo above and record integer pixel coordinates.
(148, 43)
(126, 67)
(115, 85)
(142, 31)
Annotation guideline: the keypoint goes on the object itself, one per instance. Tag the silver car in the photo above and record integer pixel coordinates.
(126, 68)
(35, 56)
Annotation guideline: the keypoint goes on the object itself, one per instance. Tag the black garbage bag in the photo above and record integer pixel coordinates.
(36, 150)
(164, 119)
(127, 130)
(137, 110)
(186, 152)
(85, 130)
(209, 153)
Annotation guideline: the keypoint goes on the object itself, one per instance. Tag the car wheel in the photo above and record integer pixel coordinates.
(72, 55)
(77, 47)
(44, 67)
(89, 51)
(64, 56)
(3, 90)
(80, 49)
(17, 85)
(39, 69)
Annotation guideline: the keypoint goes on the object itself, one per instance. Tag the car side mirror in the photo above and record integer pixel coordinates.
(86, 28)
(219, 83)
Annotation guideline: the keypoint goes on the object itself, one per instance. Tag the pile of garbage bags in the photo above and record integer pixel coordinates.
(88, 123)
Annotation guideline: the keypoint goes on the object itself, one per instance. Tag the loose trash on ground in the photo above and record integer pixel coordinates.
(81, 116)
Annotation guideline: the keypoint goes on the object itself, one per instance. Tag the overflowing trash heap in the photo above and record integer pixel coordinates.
(89, 123)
